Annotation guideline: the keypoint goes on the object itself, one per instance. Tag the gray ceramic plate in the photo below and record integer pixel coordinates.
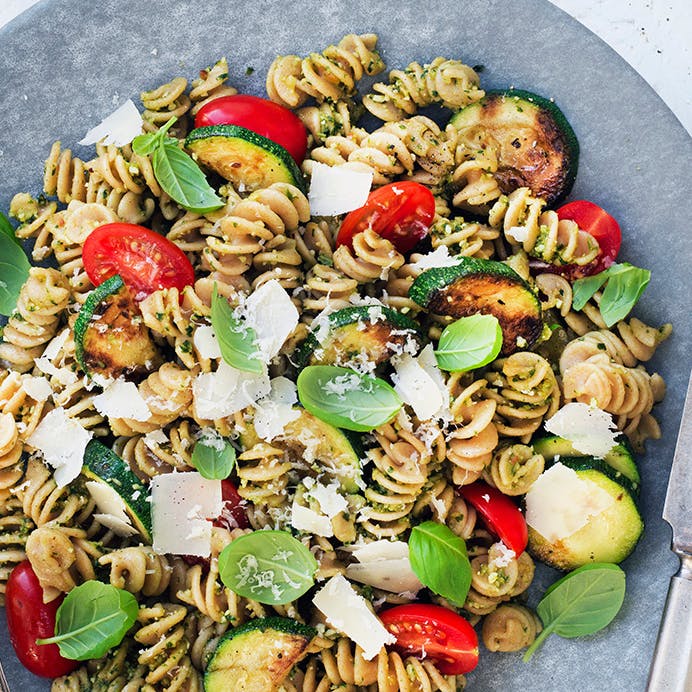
(65, 63)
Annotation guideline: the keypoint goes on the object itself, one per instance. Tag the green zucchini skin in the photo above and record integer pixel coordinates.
(346, 338)
(257, 656)
(610, 536)
(243, 157)
(620, 458)
(123, 345)
(104, 465)
(537, 146)
(483, 286)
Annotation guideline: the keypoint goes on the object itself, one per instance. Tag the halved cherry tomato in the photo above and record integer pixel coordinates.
(500, 514)
(399, 212)
(434, 632)
(145, 260)
(264, 117)
(232, 513)
(29, 619)
(599, 224)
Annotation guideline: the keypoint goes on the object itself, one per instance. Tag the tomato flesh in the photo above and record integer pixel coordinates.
(601, 226)
(145, 260)
(434, 632)
(260, 115)
(29, 619)
(500, 514)
(400, 212)
(233, 514)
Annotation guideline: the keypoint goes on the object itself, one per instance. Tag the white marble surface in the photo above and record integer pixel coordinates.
(654, 36)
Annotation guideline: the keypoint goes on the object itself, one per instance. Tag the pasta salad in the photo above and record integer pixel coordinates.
(298, 387)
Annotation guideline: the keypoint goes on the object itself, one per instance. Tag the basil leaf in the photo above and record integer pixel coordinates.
(182, 179)
(14, 267)
(237, 342)
(469, 343)
(143, 145)
(271, 567)
(583, 289)
(213, 456)
(582, 602)
(622, 292)
(438, 558)
(345, 398)
(93, 618)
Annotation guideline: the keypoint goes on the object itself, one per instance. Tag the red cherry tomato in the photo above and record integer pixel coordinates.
(29, 619)
(434, 632)
(399, 212)
(599, 224)
(232, 514)
(146, 260)
(500, 514)
(264, 117)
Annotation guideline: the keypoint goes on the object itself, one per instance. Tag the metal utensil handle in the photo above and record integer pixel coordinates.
(4, 686)
(671, 670)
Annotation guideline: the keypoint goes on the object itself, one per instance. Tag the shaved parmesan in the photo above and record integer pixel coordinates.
(119, 128)
(38, 388)
(439, 257)
(348, 612)
(416, 387)
(559, 503)
(227, 391)
(306, 519)
(327, 496)
(62, 441)
(113, 510)
(274, 412)
(337, 189)
(520, 234)
(270, 311)
(385, 565)
(121, 399)
(206, 343)
(181, 506)
(589, 429)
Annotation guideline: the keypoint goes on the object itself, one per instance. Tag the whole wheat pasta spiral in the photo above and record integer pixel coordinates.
(330, 75)
(14, 529)
(518, 210)
(263, 473)
(492, 577)
(371, 257)
(210, 85)
(327, 286)
(16, 401)
(279, 259)
(473, 178)
(42, 299)
(165, 102)
(513, 469)
(138, 569)
(465, 238)
(33, 216)
(448, 82)
(327, 118)
(11, 470)
(510, 628)
(65, 176)
(315, 242)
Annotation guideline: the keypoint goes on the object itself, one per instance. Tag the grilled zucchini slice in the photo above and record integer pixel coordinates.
(257, 656)
(483, 286)
(535, 144)
(243, 157)
(110, 336)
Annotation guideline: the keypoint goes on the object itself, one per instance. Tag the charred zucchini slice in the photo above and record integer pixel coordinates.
(483, 286)
(609, 536)
(243, 157)
(620, 458)
(257, 656)
(535, 144)
(110, 337)
(372, 333)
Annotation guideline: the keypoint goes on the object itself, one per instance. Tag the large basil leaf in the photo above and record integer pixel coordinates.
(271, 567)
(93, 618)
(14, 267)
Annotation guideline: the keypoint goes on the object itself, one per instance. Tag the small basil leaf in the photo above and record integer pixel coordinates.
(622, 292)
(469, 343)
(143, 145)
(271, 567)
(14, 267)
(584, 289)
(581, 603)
(237, 342)
(182, 179)
(213, 456)
(345, 398)
(93, 618)
(438, 558)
